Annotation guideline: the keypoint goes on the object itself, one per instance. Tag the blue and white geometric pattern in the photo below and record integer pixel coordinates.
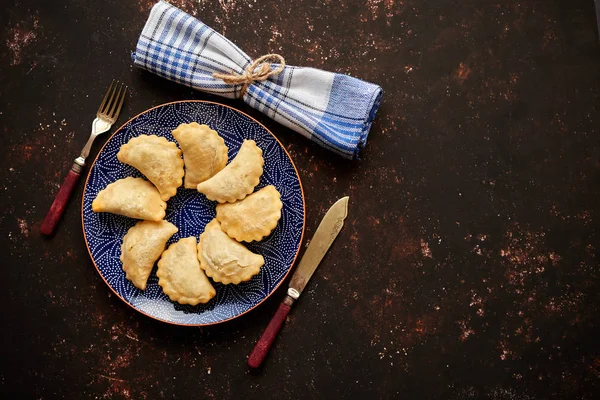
(334, 110)
(190, 211)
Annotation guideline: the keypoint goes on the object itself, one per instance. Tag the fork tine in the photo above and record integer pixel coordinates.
(106, 96)
(116, 114)
(114, 100)
(111, 99)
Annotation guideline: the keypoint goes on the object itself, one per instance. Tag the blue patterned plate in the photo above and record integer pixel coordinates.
(190, 211)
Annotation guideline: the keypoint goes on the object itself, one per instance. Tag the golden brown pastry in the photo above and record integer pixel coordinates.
(180, 275)
(225, 260)
(238, 178)
(131, 197)
(158, 159)
(252, 218)
(142, 246)
(204, 152)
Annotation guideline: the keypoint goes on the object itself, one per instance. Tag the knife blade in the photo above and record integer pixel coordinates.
(328, 230)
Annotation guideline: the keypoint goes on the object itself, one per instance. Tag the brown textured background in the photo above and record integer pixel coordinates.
(468, 267)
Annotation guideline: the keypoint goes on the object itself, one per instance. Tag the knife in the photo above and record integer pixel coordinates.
(326, 233)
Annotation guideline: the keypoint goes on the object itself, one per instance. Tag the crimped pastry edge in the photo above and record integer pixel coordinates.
(171, 292)
(224, 150)
(100, 203)
(158, 139)
(225, 280)
(255, 181)
(126, 268)
(258, 236)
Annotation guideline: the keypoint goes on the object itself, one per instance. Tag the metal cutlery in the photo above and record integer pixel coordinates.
(326, 233)
(107, 114)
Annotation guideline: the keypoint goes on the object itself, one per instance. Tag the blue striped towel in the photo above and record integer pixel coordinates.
(334, 110)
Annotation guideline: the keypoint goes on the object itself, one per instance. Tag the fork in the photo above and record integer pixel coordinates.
(105, 118)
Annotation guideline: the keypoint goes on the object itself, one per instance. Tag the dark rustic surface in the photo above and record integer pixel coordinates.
(469, 265)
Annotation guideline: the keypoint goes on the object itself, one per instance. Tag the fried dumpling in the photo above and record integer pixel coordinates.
(204, 152)
(225, 260)
(131, 197)
(142, 246)
(252, 218)
(238, 179)
(158, 159)
(180, 275)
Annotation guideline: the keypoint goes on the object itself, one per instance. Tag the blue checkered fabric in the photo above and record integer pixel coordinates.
(334, 110)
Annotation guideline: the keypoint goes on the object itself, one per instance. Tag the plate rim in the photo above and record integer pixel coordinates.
(303, 213)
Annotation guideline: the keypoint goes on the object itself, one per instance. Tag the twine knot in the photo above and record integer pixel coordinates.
(258, 71)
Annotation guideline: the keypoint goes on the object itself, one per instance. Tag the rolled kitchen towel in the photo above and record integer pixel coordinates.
(334, 110)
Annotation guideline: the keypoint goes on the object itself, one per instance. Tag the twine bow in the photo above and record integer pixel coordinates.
(258, 71)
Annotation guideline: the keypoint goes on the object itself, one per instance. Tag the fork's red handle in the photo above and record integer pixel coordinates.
(268, 337)
(60, 202)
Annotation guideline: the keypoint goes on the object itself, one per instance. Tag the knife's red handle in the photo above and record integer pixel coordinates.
(60, 202)
(268, 337)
